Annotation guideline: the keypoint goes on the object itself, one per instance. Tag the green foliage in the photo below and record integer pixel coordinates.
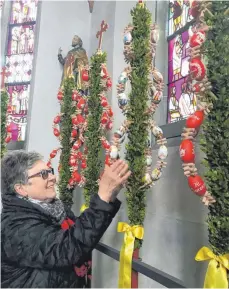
(66, 129)
(215, 136)
(138, 132)
(4, 103)
(93, 132)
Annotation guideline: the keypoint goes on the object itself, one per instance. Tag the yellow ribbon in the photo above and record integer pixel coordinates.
(127, 252)
(83, 208)
(216, 276)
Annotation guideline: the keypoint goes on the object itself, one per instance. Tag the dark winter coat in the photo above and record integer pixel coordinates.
(38, 252)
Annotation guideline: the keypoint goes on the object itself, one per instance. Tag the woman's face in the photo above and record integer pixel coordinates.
(39, 188)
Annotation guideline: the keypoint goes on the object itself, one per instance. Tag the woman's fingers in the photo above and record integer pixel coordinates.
(123, 171)
(116, 165)
(125, 177)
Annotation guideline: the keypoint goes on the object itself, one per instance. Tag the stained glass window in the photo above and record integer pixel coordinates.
(179, 14)
(19, 63)
(181, 99)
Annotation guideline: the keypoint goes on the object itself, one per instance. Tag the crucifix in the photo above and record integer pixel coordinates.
(99, 34)
(4, 74)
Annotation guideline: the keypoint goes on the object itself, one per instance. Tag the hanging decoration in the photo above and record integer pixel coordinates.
(146, 82)
(209, 82)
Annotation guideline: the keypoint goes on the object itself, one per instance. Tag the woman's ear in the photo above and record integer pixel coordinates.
(20, 189)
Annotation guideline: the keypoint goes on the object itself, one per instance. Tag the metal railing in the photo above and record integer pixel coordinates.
(157, 275)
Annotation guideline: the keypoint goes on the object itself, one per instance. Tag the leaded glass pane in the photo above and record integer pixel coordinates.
(20, 68)
(18, 127)
(18, 99)
(23, 11)
(21, 39)
(179, 14)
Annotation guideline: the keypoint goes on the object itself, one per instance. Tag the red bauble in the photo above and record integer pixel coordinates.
(104, 118)
(71, 182)
(76, 177)
(104, 101)
(105, 144)
(72, 162)
(8, 139)
(187, 151)
(195, 8)
(109, 125)
(53, 154)
(8, 129)
(79, 155)
(196, 87)
(110, 112)
(56, 119)
(60, 95)
(197, 185)
(75, 121)
(75, 96)
(74, 133)
(9, 109)
(56, 132)
(83, 165)
(81, 103)
(85, 75)
(195, 120)
(109, 83)
(197, 69)
(77, 145)
(197, 38)
(80, 118)
(49, 164)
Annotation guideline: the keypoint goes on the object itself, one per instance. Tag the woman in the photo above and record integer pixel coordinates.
(37, 251)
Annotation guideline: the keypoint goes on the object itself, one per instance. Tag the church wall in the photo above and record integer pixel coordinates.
(59, 21)
(175, 219)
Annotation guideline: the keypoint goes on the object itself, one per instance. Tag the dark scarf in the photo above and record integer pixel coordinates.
(55, 208)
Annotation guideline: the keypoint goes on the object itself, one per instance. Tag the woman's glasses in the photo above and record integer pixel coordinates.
(44, 174)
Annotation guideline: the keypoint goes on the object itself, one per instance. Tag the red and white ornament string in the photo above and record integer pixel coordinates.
(201, 87)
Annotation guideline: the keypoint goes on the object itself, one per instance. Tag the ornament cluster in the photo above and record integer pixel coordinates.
(78, 155)
(201, 87)
(155, 92)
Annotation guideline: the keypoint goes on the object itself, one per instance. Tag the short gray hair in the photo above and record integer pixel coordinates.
(14, 169)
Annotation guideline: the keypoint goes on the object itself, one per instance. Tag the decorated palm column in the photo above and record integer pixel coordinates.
(146, 83)
(209, 79)
(99, 119)
(5, 109)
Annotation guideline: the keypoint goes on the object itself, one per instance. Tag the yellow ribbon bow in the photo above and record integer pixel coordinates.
(83, 208)
(127, 252)
(216, 275)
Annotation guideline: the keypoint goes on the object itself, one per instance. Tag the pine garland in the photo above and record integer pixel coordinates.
(4, 103)
(65, 129)
(138, 132)
(93, 133)
(215, 138)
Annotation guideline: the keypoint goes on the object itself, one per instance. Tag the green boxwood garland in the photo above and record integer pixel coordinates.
(215, 138)
(138, 132)
(93, 133)
(65, 130)
(4, 104)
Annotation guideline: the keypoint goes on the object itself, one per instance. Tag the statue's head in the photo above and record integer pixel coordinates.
(77, 41)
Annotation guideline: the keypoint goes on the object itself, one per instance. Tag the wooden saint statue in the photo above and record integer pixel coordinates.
(74, 62)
